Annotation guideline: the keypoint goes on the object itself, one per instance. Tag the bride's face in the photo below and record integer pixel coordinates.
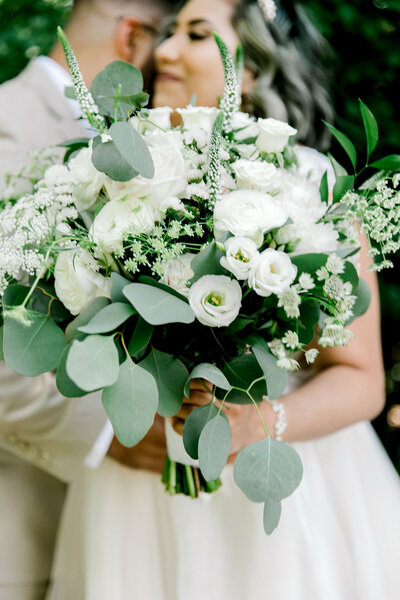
(188, 61)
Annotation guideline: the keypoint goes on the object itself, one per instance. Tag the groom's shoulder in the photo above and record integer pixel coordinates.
(19, 96)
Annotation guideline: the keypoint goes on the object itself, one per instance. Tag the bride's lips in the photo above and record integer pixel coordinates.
(167, 77)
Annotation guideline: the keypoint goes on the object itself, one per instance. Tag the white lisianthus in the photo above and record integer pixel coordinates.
(198, 116)
(76, 282)
(215, 300)
(254, 175)
(116, 219)
(169, 176)
(274, 135)
(271, 273)
(247, 213)
(159, 119)
(177, 272)
(240, 255)
(86, 180)
(244, 126)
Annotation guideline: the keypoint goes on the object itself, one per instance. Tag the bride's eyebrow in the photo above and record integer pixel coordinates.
(201, 22)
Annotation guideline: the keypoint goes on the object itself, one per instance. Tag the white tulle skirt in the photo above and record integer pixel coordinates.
(123, 538)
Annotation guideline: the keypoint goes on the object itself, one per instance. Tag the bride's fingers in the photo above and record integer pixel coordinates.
(178, 424)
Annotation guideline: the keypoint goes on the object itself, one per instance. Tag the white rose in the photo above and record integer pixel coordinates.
(169, 177)
(301, 198)
(271, 273)
(247, 213)
(116, 219)
(198, 116)
(177, 272)
(274, 135)
(254, 175)
(215, 300)
(86, 180)
(76, 284)
(244, 126)
(240, 255)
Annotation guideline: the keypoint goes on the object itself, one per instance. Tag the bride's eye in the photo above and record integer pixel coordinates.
(196, 36)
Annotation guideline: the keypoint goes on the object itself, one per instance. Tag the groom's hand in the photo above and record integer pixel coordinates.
(149, 454)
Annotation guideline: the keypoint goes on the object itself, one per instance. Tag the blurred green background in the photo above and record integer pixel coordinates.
(365, 36)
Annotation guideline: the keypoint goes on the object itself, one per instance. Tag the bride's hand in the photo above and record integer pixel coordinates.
(149, 454)
(243, 419)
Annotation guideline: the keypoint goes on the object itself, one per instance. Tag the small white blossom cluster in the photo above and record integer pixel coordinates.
(378, 212)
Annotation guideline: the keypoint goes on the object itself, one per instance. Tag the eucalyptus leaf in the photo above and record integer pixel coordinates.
(194, 425)
(370, 127)
(131, 403)
(34, 348)
(141, 336)
(214, 447)
(65, 385)
(276, 378)
(272, 515)
(350, 274)
(118, 284)
(309, 263)
(387, 163)
(133, 148)
(87, 315)
(109, 318)
(119, 78)
(241, 372)
(170, 375)
(309, 317)
(346, 144)
(207, 262)
(268, 470)
(93, 363)
(210, 373)
(157, 306)
(108, 159)
(363, 301)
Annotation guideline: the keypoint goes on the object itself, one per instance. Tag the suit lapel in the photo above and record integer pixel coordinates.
(56, 106)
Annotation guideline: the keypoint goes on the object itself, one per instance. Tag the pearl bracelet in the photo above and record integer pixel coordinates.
(281, 422)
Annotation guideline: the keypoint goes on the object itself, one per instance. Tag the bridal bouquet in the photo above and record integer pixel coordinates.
(212, 250)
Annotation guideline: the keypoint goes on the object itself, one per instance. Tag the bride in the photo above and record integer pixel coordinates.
(122, 537)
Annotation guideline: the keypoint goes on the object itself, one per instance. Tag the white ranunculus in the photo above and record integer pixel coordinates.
(247, 213)
(317, 237)
(76, 284)
(177, 272)
(198, 116)
(254, 175)
(215, 300)
(86, 180)
(274, 135)
(116, 219)
(169, 176)
(313, 164)
(244, 126)
(240, 255)
(271, 273)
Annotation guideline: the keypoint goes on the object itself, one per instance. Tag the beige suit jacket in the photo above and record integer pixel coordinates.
(43, 436)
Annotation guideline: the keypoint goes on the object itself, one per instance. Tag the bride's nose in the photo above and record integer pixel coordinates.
(168, 51)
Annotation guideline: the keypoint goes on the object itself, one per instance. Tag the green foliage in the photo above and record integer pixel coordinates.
(119, 79)
(93, 363)
(109, 318)
(194, 425)
(214, 446)
(170, 376)
(157, 306)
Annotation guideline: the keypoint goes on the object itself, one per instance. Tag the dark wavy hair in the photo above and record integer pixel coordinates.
(291, 60)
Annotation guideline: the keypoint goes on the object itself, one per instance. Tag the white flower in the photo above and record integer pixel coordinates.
(169, 176)
(306, 281)
(159, 118)
(76, 283)
(271, 273)
(318, 237)
(335, 264)
(274, 135)
(177, 272)
(291, 340)
(198, 116)
(311, 355)
(247, 213)
(290, 301)
(301, 198)
(215, 300)
(313, 164)
(254, 175)
(86, 180)
(116, 219)
(244, 126)
(240, 255)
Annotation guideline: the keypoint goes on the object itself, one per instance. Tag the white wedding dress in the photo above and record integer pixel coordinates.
(122, 537)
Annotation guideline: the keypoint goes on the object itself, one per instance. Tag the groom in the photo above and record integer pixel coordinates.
(44, 438)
